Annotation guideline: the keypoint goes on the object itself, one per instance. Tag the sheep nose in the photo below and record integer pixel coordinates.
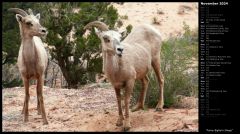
(120, 49)
(44, 30)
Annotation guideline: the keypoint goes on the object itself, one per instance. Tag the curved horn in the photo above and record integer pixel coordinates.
(30, 11)
(100, 25)
(19, 11)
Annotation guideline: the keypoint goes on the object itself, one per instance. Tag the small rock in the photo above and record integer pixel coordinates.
(54, 108)
(33, 126)
(106, 112)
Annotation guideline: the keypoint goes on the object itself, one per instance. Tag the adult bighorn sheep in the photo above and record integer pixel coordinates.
(32, 57)
(129, 60)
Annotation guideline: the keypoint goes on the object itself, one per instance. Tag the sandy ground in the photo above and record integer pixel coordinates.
(91, 108)
(170, 15)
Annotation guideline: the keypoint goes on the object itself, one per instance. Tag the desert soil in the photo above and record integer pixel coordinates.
(91, 108)
(169, 15)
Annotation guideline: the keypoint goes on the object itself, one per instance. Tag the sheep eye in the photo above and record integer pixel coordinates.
(29, 23)
(106, 39)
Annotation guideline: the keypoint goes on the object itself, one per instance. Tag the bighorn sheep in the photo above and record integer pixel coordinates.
(129, 60)
(32, 57)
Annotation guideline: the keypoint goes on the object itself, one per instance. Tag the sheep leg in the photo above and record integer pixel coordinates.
(128, 92)
(160, 78)
(38, 106)
(40, 99)
(25, 105)
(120, 118)
(104, 58)
(141, 100)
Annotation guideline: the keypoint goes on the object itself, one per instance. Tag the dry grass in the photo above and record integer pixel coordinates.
(156, 21)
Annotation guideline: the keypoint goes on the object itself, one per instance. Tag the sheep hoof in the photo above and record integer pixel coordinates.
(137, 107)
(45, 122)
(119, 122)
(126, 129)
(159, 109)
(126, 125)
(39, 113)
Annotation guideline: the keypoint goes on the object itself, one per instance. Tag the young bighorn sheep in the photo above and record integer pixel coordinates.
(32, 57)
(129, 60)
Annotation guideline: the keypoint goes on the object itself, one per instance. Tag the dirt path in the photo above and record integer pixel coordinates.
(92, 108)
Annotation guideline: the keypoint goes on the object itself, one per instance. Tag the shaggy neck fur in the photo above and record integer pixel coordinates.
(21, 30)
(113, 65)
(28, 52)
(30, 57)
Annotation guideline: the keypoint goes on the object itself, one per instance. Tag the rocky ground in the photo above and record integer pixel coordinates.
(91, 108)
(166, 17)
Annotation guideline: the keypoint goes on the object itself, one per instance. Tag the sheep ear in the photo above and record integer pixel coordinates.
(123, 33)
(97, 32)
(38, 16)
(19, 17)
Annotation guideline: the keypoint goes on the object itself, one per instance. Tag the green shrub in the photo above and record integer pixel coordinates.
(125, 17)
(179, 56)
(13, 83)
(80, 59)
(129, 28)
(10, 76)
